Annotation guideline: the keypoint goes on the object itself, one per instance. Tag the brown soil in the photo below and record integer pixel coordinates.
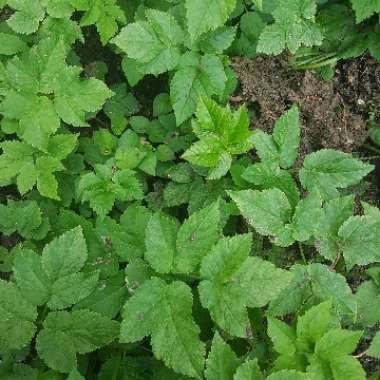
(269, 88)
(358, 82)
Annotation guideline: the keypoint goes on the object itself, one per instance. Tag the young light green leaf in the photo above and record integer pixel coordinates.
(347, 367)
(102, 188)
(282, 335)
(314, 323)
(222, 133)
(337, 342)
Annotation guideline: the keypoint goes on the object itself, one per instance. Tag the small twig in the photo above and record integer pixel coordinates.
(358, 356)
(336, 261)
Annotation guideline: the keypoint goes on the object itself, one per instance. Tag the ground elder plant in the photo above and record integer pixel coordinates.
(147, 231)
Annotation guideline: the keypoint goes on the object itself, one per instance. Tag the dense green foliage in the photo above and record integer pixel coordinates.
(152, 234)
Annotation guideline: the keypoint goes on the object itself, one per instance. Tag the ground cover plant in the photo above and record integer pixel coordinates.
(166, 214)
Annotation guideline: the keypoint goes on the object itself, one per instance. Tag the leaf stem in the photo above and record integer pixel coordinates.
(300, 247)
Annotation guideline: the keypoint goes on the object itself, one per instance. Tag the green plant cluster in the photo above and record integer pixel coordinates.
(157, 236)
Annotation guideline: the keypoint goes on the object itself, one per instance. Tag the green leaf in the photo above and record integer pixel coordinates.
(326, 284)
(337, 342)
(288, 375)
(368, 299)
(374, 348)
(128, 237)
(222, 362)
(292, 297)
(53, 278)
(232, 281)
(307, 216)
(249, 370)
(267, 176)
(164, 312)
(360, 239)
(28, 15)
(282, 336)
(153, 43)
(314, 323)
(37, 116)
(196, 236)
(31, 279)
(71, 289)
(59, 8)
(65, 334)
(218, 40)
(222, 133)
(17, 317)
(286, 135)
(203, 16)
(266, 147)
(75, 97)
(328, 170)
(160, 241)
(134, 222)
(205, 152)
(75, 375)
(107, 298)
(347, 368)
(23, 217)
(335, 213)
(294, 26)
(105, 14)
(102, 188)
(196, 77)
(11, 44)
(65, 254)
(365, 8)
(268, 211)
